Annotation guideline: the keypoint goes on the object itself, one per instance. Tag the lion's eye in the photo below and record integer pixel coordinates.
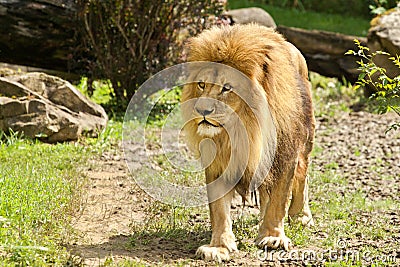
(227, 87)
(201, 85)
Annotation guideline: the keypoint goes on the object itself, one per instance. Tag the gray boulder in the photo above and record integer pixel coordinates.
(249, 15)
(384, 35)
(47, 107)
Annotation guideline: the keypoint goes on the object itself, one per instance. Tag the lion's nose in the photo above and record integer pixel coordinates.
(204, 112)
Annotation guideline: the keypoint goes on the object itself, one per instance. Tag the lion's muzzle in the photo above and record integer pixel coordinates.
(204, 106)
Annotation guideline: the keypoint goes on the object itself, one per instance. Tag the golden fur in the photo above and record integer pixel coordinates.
(242, 131)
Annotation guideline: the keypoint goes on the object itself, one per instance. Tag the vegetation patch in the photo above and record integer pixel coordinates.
(39, 193)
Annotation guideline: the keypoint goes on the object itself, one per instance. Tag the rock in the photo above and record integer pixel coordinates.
(384, 35)
(39, 33)
(47, 107)
(249, 15)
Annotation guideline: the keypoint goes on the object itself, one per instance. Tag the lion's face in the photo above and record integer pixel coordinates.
(214, 99)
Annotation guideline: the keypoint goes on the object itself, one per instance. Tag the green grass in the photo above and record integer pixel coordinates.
(39, 191)
(309, 20)
(346, 214)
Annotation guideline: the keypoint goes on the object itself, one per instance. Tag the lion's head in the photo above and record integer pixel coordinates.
(215, 99)
(223, 104)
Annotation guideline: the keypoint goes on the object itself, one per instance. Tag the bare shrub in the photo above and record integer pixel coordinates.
(128, 40)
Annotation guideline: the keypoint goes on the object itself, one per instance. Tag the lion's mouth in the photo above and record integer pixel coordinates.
(208, 128)
(208, 123)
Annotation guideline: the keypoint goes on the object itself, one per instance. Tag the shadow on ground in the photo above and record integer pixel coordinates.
(149, 247)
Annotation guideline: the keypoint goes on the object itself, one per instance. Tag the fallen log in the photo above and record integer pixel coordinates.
(325, 51)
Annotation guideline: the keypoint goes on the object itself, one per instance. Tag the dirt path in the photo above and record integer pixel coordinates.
(352, 141)
(113, 202)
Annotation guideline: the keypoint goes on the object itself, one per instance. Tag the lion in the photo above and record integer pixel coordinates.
(254, 130)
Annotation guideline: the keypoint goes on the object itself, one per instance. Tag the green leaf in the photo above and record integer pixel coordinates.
(372, 72)
(382, 53)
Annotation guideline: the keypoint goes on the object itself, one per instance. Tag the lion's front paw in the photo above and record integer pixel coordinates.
(274, 242)
(209, 253)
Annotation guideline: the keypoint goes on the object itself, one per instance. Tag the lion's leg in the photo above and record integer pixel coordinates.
(222, 239)
(271, 231)
(299, 207)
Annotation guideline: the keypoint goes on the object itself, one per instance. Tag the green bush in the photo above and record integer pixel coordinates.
(387, 90)
(130, 40)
